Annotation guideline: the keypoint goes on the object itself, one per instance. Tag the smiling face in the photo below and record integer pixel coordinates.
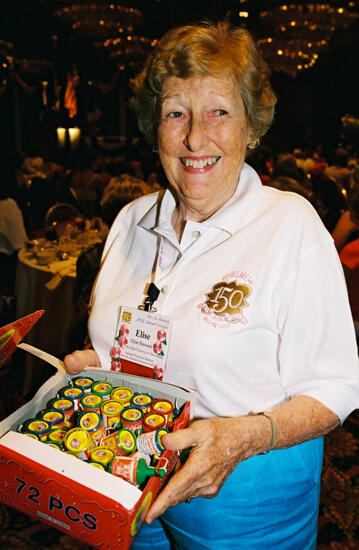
(202, 141)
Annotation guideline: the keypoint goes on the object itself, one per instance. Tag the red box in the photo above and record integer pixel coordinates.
(89, 504)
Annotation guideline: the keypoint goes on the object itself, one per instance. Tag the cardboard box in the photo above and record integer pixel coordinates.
(89, 504)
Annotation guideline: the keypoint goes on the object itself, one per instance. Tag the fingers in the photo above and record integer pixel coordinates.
(72, 364)
(181, 439)
(80, 359)
(178, 440)
(216, 448)
(192, 480)
(177, 490)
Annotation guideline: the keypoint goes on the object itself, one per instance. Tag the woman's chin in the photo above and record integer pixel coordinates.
(201, 193)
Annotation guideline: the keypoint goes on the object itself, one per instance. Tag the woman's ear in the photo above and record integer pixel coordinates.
(252, 143)
(252, 140)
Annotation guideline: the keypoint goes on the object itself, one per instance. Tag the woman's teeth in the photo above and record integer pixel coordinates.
(199, 163)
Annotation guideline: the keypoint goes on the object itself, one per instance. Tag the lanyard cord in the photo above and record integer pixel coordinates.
(153, 291)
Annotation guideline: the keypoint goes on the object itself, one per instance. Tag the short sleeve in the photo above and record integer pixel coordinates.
(318, 352)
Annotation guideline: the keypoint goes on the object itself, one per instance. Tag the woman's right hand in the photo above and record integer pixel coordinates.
(80, 359)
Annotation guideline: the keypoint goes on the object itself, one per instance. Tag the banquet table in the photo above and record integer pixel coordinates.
(48, 285)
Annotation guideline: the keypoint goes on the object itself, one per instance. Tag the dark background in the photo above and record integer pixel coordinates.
(310, 105)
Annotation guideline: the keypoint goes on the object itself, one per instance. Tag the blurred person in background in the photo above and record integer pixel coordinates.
(87, 183)
(12, 230)
(327, 198)
(347, 226)
(346, 238)
(304, 158)
(33, 165)
(257, 160)
(338, 169)
(287, 176)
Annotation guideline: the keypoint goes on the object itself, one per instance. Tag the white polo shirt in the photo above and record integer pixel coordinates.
(257, 296)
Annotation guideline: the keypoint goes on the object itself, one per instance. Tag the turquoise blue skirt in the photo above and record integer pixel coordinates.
(269, 501)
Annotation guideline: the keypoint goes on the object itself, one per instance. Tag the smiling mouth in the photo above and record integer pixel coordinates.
(202, 163)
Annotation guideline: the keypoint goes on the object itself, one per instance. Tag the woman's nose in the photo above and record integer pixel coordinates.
(196, 135)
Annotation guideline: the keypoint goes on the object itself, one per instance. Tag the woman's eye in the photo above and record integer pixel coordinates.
(174, 114)
(221, 112)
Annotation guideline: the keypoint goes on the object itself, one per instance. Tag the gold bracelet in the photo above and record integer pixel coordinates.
(274, 431)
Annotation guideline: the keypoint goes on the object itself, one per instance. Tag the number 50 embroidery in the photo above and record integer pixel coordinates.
(227, 298)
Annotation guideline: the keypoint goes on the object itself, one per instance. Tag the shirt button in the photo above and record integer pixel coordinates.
(196, 234)
(164, 289)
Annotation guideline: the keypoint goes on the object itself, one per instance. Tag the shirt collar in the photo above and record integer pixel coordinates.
(230, 217)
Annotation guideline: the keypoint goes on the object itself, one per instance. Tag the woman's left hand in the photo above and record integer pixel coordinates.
(217, 446)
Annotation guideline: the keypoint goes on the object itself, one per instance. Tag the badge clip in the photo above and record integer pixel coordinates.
(152, 295)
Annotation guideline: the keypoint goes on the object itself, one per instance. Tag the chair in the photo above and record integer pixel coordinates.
(60, 213)
(65, 192)
(40, 197)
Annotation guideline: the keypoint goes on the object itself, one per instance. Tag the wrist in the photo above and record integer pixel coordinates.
(273, 431)
(269, 431)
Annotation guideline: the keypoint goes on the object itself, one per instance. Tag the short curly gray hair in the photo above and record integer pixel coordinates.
(206, 49)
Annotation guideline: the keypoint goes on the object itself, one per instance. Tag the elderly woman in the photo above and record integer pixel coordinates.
(251, 279)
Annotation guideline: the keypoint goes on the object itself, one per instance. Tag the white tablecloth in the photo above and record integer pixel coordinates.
(50, 287)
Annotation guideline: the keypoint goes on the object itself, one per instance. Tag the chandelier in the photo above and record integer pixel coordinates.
(129, 50)
(9, 62)
(99, 19)
(111, 26)
(299, 34)
(350, 124)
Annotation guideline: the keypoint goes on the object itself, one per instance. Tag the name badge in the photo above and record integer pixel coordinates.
(141, 343)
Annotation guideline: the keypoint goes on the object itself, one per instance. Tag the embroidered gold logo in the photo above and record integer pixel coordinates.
(227, 298)
(126, 316)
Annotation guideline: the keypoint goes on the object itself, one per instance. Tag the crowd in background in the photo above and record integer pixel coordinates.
(325, 180)
(331, 183)
(98, 186)
(90, 177)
